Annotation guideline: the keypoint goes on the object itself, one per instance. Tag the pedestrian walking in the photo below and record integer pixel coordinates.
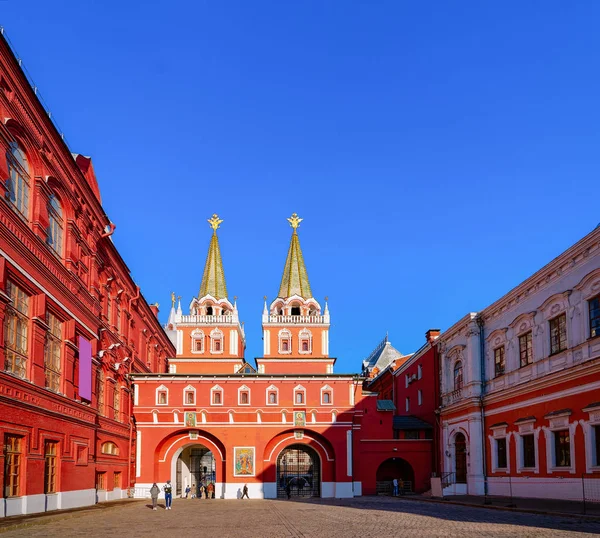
(395, 484)
(288, 489)
(202, 491)
(401, 486)
(245, 492)
(168, 489)
(154, 491)
(187, 491)
(210, 489)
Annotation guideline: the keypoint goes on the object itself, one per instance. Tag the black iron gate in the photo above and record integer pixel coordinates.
(202, 467)
(298, 472)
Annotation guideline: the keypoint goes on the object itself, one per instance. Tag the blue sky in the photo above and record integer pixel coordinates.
(438, 152)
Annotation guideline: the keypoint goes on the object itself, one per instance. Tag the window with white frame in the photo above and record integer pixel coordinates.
(285, 341)
(526, 348)
(272, 395)
(17, 183)
(499, 445)
(305, 341)
(560, 446)
(189, 395)
(243, 395)
(216, 341)
(299, 395)
(499, 361)
(326, 395)
(458, 375)
(528, 450)
(16, 331)
(501, 453)
(558, 334)
(419, 371)
(162, 395)
(197, 341)
(407, 404)
(216, 395)
(594, 308)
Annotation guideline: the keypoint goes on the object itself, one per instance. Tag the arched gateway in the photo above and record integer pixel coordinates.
(299, 472)
(195, 467)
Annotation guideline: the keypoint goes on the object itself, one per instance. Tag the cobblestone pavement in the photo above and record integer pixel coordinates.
(366, 517)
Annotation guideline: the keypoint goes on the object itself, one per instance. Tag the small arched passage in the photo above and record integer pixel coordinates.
(460, 458)
(298, 472)
(394, 468)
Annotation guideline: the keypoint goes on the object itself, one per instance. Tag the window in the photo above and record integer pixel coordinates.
(528, 450)
(299, 397)
(12, 465)
(295, 310)
(285, 341)
(305, 338)
(197, 341)
(501, 453)
(101, 480)
(594, 317)
(499, 363)
(562, 448)
(55, 226)
(118, 317)
(117, 403)
(162, 397)
(16, 331)
(100, 391)
(244, 398)
(110, 448)
(597, 444)
(117, 480)
(558, 334)
(216, 341)
(50, 452)
(411, 434)
(407, 405)
(216, 399)
(189, 397)
(326, 397)
(17, 184)
(209, 310)
(458, 375)
(52, 366)
(272, 397)
(526, 348)
(420, 397)
(419, 371)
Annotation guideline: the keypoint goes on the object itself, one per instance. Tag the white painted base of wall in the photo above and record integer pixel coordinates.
(455, 489)
(569, 489)
(268, 490)
(34, 504)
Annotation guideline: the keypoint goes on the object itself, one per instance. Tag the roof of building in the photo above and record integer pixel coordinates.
(382, 356)
(410, 423)
(295, 278)
(385, 405)
(213, 278)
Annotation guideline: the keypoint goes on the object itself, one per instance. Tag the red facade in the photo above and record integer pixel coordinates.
(65, 416)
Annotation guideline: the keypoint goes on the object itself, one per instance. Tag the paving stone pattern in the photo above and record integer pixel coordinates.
(366, 517)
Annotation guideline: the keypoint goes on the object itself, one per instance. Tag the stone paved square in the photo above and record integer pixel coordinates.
(366, 517)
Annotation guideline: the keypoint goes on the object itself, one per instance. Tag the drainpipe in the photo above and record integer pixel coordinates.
(480, 323)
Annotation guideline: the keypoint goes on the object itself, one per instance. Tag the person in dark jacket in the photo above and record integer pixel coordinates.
(154, 491)
(288, 489)
(245, 492)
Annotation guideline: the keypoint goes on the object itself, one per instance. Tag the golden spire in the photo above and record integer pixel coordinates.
(173, 299)
(213, 278)
(295, 278)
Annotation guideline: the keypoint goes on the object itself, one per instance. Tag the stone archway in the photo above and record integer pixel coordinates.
(397, 468)
(298, 472)
(195, 466)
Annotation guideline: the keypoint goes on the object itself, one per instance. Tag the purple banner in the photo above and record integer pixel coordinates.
(85, 369)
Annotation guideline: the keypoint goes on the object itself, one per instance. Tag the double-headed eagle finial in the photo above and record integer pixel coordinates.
(215, 222)
(295, 221)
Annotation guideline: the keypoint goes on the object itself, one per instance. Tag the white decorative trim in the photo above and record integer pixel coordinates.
(241, 389)
(186, 390)
(216, 335)
(327, 389)
(272, 388)
(284, 335)
(197, 335)
(299, 389)
(305, 336)
(216, 388)
(162, 388)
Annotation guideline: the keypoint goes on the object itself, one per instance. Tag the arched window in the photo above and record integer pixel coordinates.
(295, 311)
(17, 190)
(216, 341)
(299, 395)
(326, 395)
(243, 395)
(458, 375)
(55, 226)
(285, 341)
(110, 448)
(209, 310)
(189, 395)
(197, 341)
(305, 341)
(216, 395)
(272, 395)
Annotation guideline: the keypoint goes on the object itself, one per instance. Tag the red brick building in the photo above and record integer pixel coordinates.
(73, 323)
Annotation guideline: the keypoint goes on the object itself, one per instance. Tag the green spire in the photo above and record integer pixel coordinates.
(295, 278)
(213, 279)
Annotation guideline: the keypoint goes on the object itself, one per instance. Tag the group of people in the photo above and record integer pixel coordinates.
(200, 492)
(398, 486)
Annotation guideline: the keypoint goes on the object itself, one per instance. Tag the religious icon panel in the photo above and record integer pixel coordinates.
(243, 461)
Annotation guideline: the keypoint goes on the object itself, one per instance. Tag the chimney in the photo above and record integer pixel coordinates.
(432, 335)
(154, 308)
